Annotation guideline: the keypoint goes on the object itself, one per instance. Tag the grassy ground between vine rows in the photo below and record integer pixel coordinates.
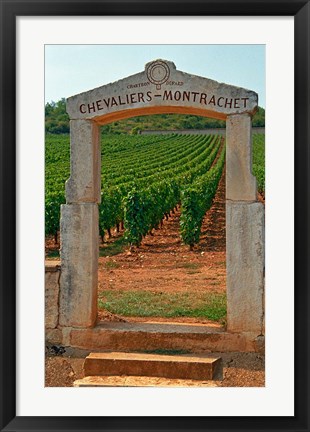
(138, 303)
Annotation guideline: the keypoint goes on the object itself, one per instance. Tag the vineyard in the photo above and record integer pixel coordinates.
(165, 194)
(144, 178)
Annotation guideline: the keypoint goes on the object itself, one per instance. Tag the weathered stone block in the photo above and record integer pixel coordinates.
(137, 364)
(79, 251)
(85, 158)
(53, 336)
(52, 274)
(240, 182)
(245, 265)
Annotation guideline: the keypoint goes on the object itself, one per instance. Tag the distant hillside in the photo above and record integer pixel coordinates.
(57, 121)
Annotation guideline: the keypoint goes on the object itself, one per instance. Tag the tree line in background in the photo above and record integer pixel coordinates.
(57, 121)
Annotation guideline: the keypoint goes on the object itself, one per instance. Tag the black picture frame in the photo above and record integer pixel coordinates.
(10, 9)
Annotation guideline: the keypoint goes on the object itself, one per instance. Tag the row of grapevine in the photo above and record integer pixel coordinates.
(144, 209)
(196, 200)
(53, 202)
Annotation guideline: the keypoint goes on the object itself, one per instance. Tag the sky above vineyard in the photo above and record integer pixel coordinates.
(72, 69)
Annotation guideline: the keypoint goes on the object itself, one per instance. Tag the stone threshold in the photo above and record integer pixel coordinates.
(193, 338)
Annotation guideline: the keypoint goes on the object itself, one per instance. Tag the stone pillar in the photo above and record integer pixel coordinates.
(85, 181)
(240, 182)
(79, 230)
(244, 232)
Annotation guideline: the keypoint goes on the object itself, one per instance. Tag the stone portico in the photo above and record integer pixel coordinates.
(160, 88)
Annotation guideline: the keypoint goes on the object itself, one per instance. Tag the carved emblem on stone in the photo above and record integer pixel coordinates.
(158, 73)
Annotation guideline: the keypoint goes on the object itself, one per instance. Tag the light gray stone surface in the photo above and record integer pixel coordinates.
(240, 182)
(79, 265)
(245, 266)
(85, 161)
(161, 85)
(51, 296)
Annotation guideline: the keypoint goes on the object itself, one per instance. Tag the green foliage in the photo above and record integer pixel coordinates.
(259, 161)
(191, 217)
(110, 208)
(196, 199)
(52, 254)
(57, 169)
(259, 118)
(53, 202)
(135, 130)
(133, 217)
(56, 117)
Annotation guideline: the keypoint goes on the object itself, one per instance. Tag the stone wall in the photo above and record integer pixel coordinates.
(52, 277)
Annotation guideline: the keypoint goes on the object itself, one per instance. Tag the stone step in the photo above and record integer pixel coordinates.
(151, 365)
(140, 381)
